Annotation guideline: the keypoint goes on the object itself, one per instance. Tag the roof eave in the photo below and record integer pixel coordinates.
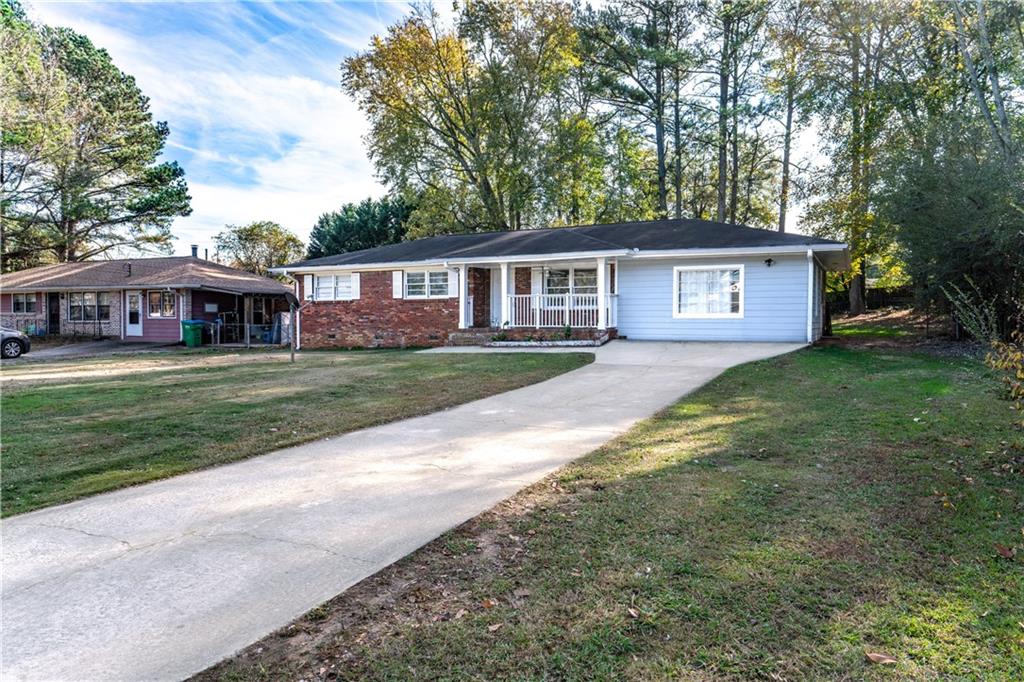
(569, 255)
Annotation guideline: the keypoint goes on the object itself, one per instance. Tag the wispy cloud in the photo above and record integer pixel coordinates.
(251, 93)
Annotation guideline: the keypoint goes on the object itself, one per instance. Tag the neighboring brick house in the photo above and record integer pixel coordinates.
(136, 299)
(667, 279)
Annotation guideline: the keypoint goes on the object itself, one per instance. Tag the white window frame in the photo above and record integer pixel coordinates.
(571, 269)
(163, 294)
(677, 314)
(95, 305)
(320, 282)
(25, 300)
(426, 284)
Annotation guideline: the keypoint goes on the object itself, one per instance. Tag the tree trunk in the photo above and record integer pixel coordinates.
(735, 145)
(723, 113)
(973, 79)
(857, 303)
(679, 155)
(787, 143)
(659, 138)
(993, 77)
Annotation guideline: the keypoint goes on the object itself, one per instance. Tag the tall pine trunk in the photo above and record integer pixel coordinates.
(679, 154)
(787, 144)
(857, 285)
(723, 116)
(659, 138)
(734, 190)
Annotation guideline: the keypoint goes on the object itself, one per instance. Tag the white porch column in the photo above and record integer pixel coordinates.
(506, 311)
(602, 293)
(463, 276)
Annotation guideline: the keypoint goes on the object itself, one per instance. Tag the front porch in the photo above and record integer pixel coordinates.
(580, 294)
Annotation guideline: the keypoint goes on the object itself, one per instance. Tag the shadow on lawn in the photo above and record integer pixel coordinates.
(781, 522)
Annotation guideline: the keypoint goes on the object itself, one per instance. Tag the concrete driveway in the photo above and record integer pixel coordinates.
(85, 349)
(162, 580)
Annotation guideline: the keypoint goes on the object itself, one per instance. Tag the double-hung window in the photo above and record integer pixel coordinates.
(334, 287)
(89, 306)
(23, 303)
(701, 291)
(162, 303)
(426, 284)
(570, 281)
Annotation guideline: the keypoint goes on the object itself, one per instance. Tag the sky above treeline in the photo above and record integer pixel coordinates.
(252, 95)
(251, 92)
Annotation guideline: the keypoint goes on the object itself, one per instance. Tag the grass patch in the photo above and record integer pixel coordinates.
(780, 523)
(79, 428)
(852, 329)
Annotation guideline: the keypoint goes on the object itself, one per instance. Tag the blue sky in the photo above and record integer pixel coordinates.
(251, 93)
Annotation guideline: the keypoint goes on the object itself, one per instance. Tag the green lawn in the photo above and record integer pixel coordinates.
(78, 428)
(781, 523)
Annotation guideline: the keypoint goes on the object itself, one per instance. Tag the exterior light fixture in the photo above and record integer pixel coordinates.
(769, 262)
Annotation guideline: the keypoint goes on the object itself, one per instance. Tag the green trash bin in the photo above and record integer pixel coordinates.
(192, 332)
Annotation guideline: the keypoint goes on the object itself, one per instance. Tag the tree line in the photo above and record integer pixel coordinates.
(527, 113)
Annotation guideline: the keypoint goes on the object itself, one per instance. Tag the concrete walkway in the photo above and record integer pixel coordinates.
(162, 580)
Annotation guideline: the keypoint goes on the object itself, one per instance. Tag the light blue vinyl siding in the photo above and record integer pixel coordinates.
(775, 301)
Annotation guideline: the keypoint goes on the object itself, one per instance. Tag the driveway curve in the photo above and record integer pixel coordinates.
(160, 581)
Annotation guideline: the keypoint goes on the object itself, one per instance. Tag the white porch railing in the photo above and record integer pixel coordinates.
(560, 310)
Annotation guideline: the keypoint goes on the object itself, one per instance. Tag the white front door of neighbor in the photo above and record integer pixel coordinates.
(133, 322)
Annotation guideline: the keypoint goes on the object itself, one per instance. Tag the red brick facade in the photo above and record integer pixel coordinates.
(378, 320)
(523, 281)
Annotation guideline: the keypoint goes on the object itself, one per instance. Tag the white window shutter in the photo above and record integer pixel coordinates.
(396, 284)
(308, 292)
(355, 285)
(453, 282)
(537, 280)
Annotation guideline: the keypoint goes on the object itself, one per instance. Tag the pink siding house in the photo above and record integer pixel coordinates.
(136, 299)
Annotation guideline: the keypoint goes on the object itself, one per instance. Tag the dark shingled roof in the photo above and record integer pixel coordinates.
(173, 271)
(653, 235)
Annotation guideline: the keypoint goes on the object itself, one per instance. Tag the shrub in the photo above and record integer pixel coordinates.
(1007, 357)
(974, 312)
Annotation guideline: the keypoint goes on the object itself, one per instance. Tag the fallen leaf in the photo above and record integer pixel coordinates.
(634, 613)
(495, 627)
(1004, 551)
(521, 592)
(460, 613)
(488, 603)
(884, 659)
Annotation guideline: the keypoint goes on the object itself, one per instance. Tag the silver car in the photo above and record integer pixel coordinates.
(13, 343)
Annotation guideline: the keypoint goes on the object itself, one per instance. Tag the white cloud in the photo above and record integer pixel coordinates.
(252, 97)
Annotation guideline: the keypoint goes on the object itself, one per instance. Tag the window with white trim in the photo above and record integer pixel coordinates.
(426, 284)
(89, 306)
(333, 287)
(570, 281)
(23, 303)
(162, 303)
(708, 292)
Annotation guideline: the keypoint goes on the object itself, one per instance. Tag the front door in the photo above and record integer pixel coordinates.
(133, 323)
(53, 314)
